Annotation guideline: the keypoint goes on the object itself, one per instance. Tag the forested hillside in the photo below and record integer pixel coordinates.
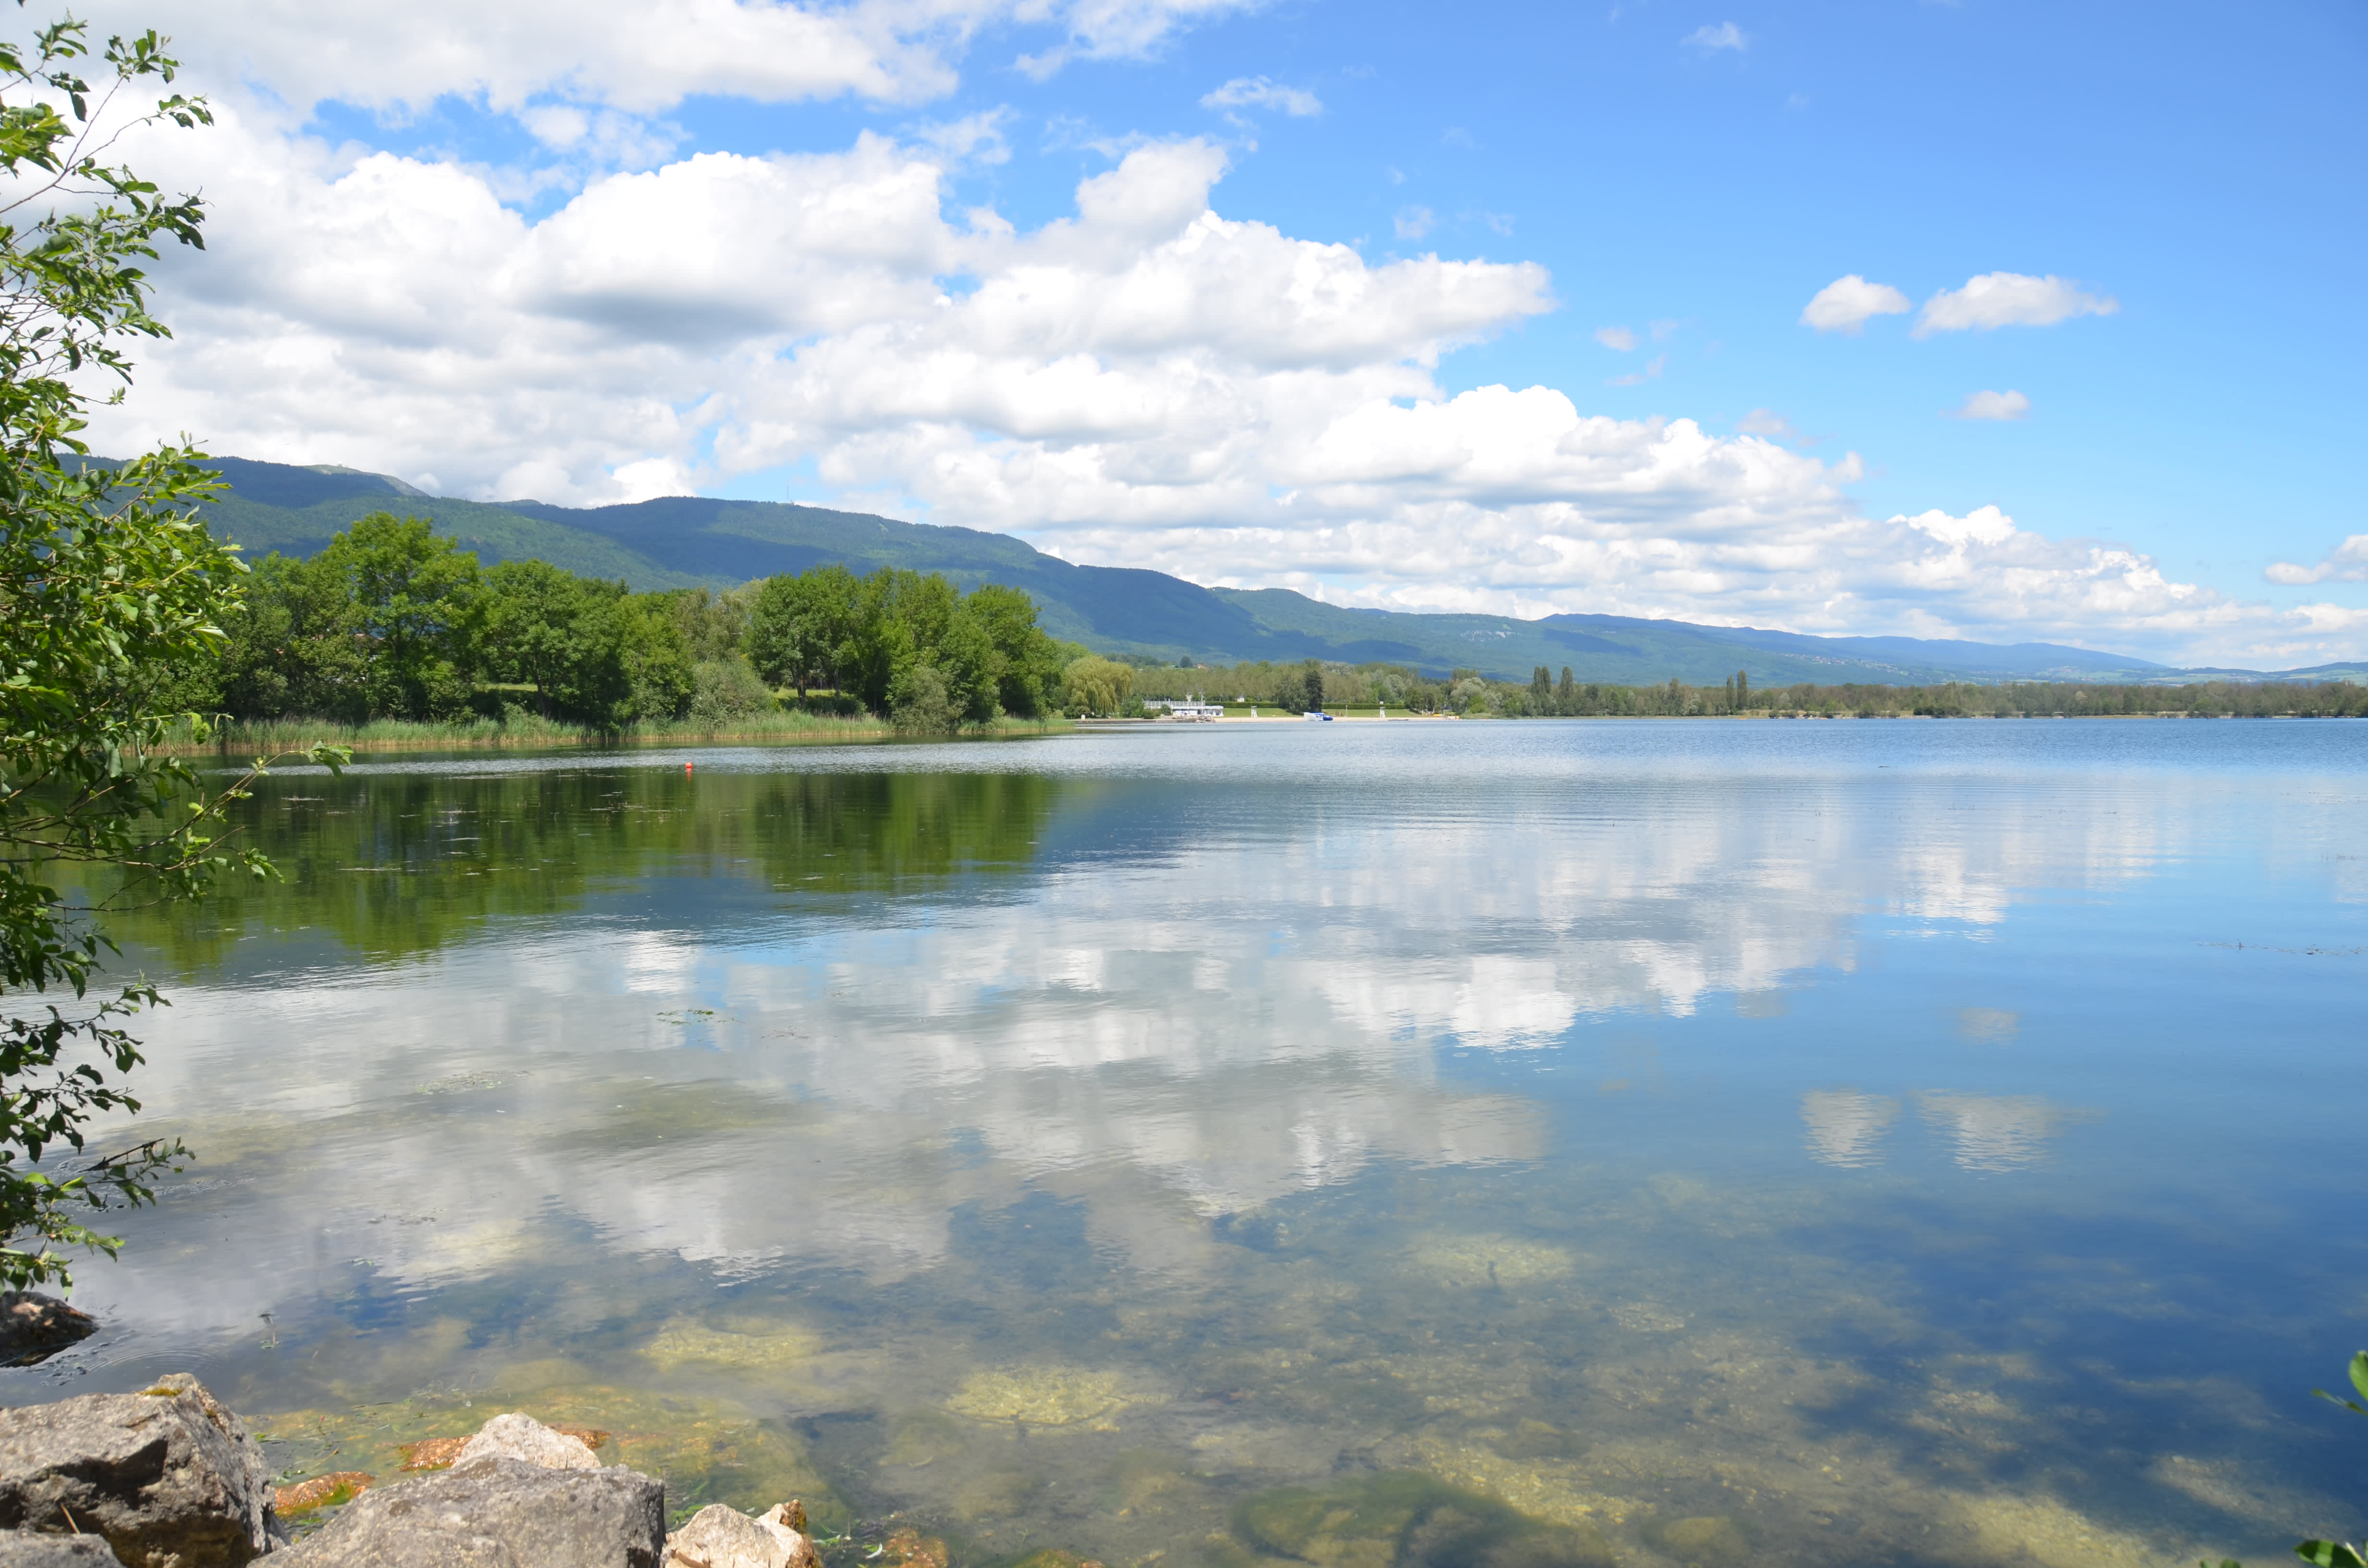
(698, 541)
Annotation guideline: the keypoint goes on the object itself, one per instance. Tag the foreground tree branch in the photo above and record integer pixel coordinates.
(108, 584)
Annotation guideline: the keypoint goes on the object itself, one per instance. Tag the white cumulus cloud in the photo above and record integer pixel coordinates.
(976, 138)
(1849, 302)
(1617, 339)
(1414, 222)
(1098, 29)
(1722, 35)
(1257, 92)
(2347, 563)
(643, 56)
(1141, 382)
(2008, 299)
(2006, 405)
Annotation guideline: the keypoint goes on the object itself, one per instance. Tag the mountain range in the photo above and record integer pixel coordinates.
(687, 542)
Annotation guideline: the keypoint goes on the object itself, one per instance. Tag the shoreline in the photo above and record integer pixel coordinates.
(284, 736)
(1756, 715)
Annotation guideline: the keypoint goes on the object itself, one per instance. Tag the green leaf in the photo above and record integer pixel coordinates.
(2359, 1370)
(2330, 1554)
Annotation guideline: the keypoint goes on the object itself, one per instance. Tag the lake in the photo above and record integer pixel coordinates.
(1507, 1144)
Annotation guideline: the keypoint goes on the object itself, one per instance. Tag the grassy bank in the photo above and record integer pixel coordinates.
(528, 733)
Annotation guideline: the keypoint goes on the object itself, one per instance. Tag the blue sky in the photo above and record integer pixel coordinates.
(1687, 179)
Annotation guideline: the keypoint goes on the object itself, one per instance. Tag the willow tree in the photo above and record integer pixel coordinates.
(110, 590)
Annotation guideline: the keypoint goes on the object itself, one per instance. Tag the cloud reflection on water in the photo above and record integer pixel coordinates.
(1845, 1127)
(1995, 1132)
(1250, 1011)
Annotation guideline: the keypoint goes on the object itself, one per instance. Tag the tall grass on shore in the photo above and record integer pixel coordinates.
(529, 732)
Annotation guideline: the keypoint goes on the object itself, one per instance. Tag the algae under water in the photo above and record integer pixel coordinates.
(1464, 1146)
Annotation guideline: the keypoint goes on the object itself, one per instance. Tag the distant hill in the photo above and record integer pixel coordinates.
(687, 541)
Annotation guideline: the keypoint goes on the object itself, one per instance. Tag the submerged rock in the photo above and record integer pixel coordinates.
(432, 1453)
(720, 1536)
(522, 1438)
(498, 1513)
(712, 1449)
(1049, 1395)
(23, 1549)
(1405, 1520)
(753, 1346)
(1706, 1538)
(167, 1476)
(34, 1327)
(908, 1548)
(321, 1492)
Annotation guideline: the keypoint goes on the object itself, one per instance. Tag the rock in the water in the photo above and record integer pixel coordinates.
(169, 1476)
(34, 1327)
(433, 1453)
(908, 1548)
(442, 1453)
(23, 1549)
(321, 1492)
(522, 1438)
(720, 1536)
(496, 1513)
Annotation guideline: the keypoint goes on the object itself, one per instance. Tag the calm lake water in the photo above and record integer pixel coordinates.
(1508, 1144)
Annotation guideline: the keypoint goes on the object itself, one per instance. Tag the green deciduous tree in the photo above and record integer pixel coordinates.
(540, 625)
(110, 591)
(661, 673)
(802, 627)
(296, 647)
(929, 624)
(714, 626)
(414, 594)
(724, 690)
(1097, 685)
(1027, 661)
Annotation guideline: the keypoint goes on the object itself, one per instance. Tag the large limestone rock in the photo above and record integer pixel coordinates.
(23, 1549)
(492, 1512)
(169, 1476)
(522, 1438)
(720, 1536)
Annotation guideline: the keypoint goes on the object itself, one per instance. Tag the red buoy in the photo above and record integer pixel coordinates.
(686, 768)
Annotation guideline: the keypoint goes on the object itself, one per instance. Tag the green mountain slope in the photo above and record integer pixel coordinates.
(276, 506)
(684, 541)
(1623, 650)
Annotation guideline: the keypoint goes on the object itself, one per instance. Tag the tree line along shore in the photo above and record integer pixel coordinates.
(394, 637)
(393, 629)
(1295, 688)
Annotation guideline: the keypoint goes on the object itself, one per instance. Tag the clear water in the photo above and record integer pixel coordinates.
(1823, 1142)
